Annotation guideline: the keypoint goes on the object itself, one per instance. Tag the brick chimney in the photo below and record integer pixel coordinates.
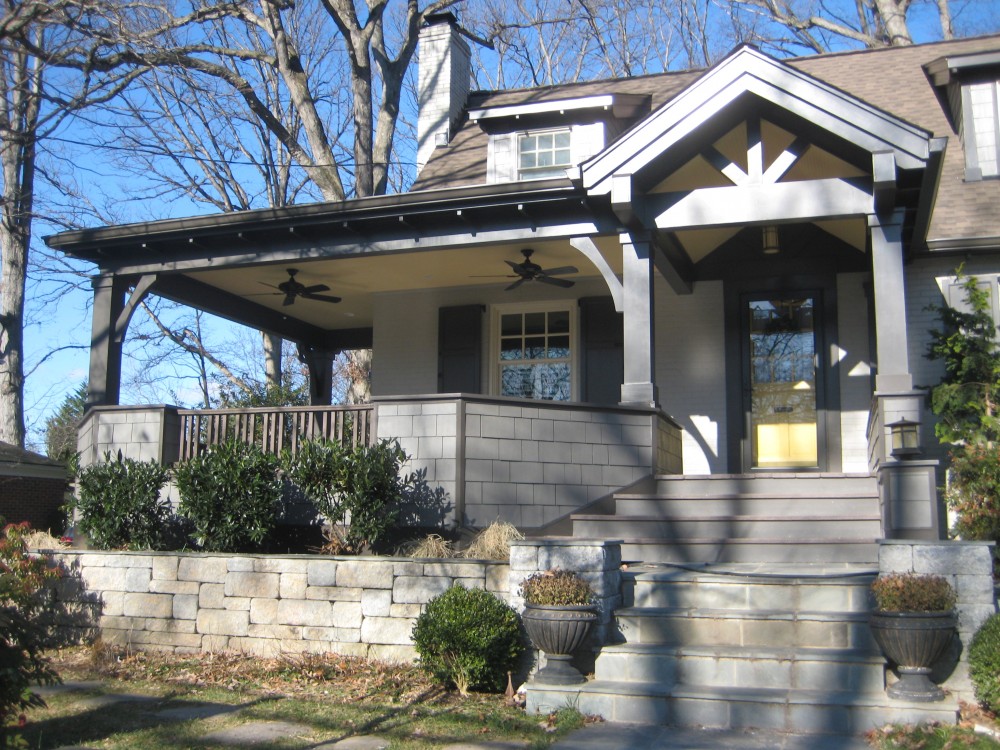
(443, 81)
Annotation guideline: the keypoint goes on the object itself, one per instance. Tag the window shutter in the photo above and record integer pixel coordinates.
(500, 158)
(460, 337)
(602, 351)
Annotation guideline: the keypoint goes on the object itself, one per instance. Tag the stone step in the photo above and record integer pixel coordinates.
(698, 626)
(748, 667)
(728, 527)
(721, 550)
(845, 505)
(821, 710)
(778, 484)
(812, 588)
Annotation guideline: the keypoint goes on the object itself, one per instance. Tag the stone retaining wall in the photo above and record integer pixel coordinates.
(262, 604)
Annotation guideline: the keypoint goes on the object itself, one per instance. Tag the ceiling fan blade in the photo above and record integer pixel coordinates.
(493, 276)
(288, 301)
(564, 283)
(515, 285)
(270, 286)
(561, 271)
(320, 297)
(316, 288)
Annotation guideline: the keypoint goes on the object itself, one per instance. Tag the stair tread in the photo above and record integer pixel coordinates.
(774, 653)
(813, 574)
(758, 475)
(799, 540)
(762, 695)
(742, 614)
(791, 495)
(753, 517)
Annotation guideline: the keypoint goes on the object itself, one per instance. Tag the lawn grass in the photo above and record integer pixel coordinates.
(930, 738)
(332, 697)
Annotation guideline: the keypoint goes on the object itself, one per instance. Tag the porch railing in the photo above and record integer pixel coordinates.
(275, 429)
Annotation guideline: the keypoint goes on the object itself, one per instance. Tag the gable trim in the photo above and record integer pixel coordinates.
(750, 72)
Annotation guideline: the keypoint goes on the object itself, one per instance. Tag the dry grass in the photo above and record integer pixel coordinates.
(432, 545)
(493, 542)
(44, 540)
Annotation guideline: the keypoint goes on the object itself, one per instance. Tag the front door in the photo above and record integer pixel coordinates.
(781, 376)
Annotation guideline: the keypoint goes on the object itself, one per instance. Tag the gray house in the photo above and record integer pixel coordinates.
(685, 311)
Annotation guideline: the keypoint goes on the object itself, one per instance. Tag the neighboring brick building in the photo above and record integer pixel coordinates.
(32, 488)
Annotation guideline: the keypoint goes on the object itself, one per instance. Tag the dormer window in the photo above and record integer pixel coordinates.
(984, 123)
(543, 154)
(970, 87)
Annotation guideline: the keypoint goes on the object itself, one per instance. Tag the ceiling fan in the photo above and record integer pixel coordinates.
(527, 270)
(292, 289)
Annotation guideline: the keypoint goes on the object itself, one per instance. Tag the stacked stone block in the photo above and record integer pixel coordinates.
(143, 433)
(266, 605)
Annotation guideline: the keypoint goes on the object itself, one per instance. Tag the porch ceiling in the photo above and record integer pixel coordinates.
(357, 279)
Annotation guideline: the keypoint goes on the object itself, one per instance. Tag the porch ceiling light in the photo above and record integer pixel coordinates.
(771, 240)
(905, 438)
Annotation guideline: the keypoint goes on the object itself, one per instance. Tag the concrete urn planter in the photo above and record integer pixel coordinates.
(558, 630)
(913, 641)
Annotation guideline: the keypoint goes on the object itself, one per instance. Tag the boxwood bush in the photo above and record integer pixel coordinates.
(119, 504)
(984, 663)
(468, 638)
(232, 495)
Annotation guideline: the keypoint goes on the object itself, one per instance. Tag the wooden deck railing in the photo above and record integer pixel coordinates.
(275, 429)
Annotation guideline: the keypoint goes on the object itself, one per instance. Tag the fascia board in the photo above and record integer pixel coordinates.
(749, 71)
(599, 101)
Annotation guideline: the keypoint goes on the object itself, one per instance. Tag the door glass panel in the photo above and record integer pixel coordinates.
(783, 428)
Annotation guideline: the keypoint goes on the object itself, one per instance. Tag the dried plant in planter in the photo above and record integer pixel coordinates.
(913, 592)
(553, 588)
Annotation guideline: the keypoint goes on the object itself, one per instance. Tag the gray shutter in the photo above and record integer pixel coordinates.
(602, 355)
(460, 338)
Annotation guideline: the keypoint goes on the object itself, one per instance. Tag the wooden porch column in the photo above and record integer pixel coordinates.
(640, 371)
(320, 364)
(890, 303)
(104, 384)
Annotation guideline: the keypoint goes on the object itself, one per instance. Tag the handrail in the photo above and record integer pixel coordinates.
(275, 429)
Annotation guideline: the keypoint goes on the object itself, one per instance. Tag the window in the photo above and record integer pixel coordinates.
(982, 124)
(534, 353)
(542, 155)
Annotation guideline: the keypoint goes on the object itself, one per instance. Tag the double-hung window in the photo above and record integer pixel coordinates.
(543, 154)
(534, 352)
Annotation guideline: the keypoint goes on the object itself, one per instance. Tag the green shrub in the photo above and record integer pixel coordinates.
(984, 663)
(22, 664)
(119, 503)
(231, 494)
(912, 592)
(358, 491)
(468, 638)
(974, 492)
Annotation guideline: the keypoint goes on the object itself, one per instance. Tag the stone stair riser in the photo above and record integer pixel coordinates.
(723, 528)
(739, 551)
(846, 597)
(787, 485)
(681, 506)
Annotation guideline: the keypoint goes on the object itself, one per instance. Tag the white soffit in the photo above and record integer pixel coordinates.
(749, 71)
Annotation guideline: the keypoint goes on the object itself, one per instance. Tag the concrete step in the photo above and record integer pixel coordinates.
(820, 710)
(770, 628)
(740, 587)
(779, 484)
(747, 667)
(729, 527)
(805, 549)
(844, 504)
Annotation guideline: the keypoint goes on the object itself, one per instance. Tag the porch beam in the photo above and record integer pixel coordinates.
(764, 203)
(639, 387)
(586, 246)
(229, 306)
(893, 374)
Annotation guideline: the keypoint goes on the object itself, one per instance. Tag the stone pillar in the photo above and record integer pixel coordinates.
(104, 384)
(639, 387)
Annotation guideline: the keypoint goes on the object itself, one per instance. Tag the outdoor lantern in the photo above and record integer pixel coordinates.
(771, 240)
(905, 438)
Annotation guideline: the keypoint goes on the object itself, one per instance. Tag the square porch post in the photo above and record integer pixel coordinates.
(890, 303)
(104, 384)
(639, 387)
